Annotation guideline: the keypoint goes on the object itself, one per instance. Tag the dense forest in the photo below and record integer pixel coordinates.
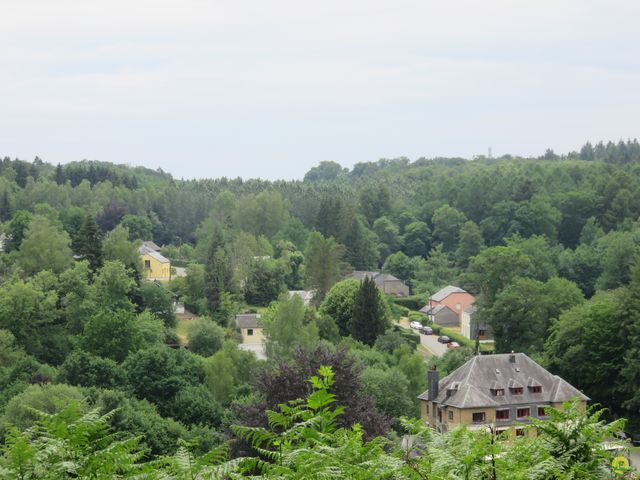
(548, 245)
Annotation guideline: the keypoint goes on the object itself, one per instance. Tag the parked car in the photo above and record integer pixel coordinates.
(444, 339)
(426, 331)
(453, 345)
(415, 325)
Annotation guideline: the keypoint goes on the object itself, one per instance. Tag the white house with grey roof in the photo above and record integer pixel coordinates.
(472, 328)
(501, 391)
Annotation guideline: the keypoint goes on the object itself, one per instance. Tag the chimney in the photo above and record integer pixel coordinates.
(433, 378)
(512, 357)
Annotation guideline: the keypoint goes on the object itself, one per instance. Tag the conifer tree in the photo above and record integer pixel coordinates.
(369, 317)
(59, 176)
(218, 271)
(90, 243)
(5, 207)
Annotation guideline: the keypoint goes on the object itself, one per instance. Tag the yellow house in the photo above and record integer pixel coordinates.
(155, 266)
(501, 392)
(253, 338)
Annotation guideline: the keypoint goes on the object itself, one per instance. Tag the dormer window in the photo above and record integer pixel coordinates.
(497, 392)
(517, 390)
(453, 388)
(536, 389)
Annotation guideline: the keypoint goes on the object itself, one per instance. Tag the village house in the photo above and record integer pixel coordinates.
(471, 328)
(253, 338)
(155, 266)
(455, 298)
(494, 391)
(386, 283)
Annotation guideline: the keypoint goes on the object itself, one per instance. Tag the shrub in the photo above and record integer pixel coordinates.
(205, 336)
(413, 302)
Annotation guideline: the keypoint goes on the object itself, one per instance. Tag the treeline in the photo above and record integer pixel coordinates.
(545, 244)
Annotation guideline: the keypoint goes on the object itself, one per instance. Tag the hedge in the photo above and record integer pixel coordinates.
(461, 339)
(408, 335)
(413, 302)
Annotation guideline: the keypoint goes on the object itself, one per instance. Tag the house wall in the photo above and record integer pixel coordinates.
(465, 324)
(257, 337)
(465, 417)
(157, 270)
(395, 287)
(469, 332)
(446, 318)
(458, 302)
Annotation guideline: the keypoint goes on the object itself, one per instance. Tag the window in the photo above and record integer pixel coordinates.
(479, 417)
(451, 415)
(519, 432)
(502, 414)
(426, 408)
(517, 390)
(147, 264)
(500, 431)
(498, 392)
(541, 412)
(536, 389)
(523, 412)
(481, 332)
(249, 331)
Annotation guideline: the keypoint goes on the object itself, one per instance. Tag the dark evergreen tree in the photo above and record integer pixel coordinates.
(333, 217)
(5, 207)
(369, 318)
(362, 248)
(264, 283)
(59, 175)
(22, 173)
(218, 271)
(90, 243)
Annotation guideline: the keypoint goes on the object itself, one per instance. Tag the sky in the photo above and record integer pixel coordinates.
(208, 88)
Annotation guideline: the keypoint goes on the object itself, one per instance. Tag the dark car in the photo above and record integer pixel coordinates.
(444, 339)
(426, 331)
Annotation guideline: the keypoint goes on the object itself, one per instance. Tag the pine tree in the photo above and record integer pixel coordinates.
(218, 271)
(369, 317)
(90, 243)
(59, 175)
(5, 207)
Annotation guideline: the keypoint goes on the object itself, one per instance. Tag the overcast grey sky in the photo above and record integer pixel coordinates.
(206, 88)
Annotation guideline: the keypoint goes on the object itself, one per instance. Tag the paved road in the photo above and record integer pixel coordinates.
(431, 343)
(634, 456)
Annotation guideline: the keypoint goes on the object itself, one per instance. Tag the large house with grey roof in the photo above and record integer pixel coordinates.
(499, 391)
(386, 283)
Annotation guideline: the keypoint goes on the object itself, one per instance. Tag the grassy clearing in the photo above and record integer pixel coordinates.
(181, 329)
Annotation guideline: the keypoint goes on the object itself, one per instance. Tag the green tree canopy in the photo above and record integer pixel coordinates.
(205, 336)
(44, 247)
(285, 328)
(323, 264)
